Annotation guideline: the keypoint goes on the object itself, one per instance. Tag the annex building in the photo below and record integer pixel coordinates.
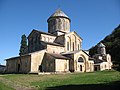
(57, 50)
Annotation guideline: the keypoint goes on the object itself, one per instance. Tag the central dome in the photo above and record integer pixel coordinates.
(59, 13)
(58, 23)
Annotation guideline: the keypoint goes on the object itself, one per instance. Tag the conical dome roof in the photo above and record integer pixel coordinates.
(101, 45)
(59, 13)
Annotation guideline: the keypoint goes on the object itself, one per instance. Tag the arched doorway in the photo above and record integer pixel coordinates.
(18, 69)
(80, 62)
(40, 68)
(80, 67)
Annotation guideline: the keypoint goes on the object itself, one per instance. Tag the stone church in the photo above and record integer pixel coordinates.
(102, 61)
(58, 50)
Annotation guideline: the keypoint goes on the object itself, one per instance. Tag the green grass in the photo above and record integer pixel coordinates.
(78, 79)
(4, 87)
(42, 82)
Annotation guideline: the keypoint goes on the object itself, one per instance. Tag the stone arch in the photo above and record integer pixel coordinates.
(67, 24)
(73, 42)
(81, 56)
(63, 25)
(81, 61)
(57, 21)
(78, 44)
(68, 41)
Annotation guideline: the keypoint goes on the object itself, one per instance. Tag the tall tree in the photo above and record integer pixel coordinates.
(23, 47)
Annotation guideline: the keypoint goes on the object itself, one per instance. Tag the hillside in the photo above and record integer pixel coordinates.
(112, 43)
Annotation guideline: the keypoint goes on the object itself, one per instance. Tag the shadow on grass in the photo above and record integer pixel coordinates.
(108, 86)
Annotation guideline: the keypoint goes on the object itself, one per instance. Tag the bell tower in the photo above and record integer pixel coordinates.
(101, 49)
(58, 23)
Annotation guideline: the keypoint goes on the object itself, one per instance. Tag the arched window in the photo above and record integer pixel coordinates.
(68, 46)
(73, 46)
(44, 39)
(80, 59)
(78, 47)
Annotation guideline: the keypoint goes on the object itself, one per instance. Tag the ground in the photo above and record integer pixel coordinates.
(70, 81)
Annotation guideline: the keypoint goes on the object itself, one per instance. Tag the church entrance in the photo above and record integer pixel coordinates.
(40, 68)
(80, 61)
(18, 67)
(80, 67)
(96, 68)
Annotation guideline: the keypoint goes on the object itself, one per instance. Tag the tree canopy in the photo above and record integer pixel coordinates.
(23, 47)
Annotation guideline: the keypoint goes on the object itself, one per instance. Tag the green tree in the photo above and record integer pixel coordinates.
(23, 47)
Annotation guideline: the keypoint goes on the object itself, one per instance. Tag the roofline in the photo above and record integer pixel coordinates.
(55, 44)
(40, 32)
(85, 52)
(58, 17)
(58, 58)
(75, 33)
(73, 52)
(18, 56)
(2, 66)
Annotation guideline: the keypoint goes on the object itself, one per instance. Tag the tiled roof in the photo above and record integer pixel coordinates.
(40, 32)
(58, 56)
(58, 13)
(101, 45)
(52, 43)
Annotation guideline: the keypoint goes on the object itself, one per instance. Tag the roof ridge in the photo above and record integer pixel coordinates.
(58, 13)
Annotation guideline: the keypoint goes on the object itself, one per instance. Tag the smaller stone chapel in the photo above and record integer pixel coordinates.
(57, 50)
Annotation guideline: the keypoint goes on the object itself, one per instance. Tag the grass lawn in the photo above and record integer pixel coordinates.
(4, 87)
(72, 81)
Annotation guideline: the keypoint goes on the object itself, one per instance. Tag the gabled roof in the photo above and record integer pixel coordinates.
(98, 61)
(28, 54)
(58, 56)
(17, 57)
(53, 43)
(73, 52)
(75, 33)
(2, 66)
(40, 32)
(101, 45)
(58, 13)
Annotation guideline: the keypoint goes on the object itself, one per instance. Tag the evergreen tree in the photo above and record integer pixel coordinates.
(23, 47)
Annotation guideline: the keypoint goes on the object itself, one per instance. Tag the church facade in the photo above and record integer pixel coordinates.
(58, 50)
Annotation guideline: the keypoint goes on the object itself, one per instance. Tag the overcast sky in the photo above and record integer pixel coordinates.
(91, 19)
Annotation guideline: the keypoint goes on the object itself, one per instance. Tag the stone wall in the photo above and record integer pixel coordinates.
(34, 42)
(47, 38)
(72, 42)
(58, 24)
(48, 63)
(91, 63)
(86, 64)
(17, 65)
(36, 60)
(54, 49)
(105, 66)
(61, 65)
(60, 40)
